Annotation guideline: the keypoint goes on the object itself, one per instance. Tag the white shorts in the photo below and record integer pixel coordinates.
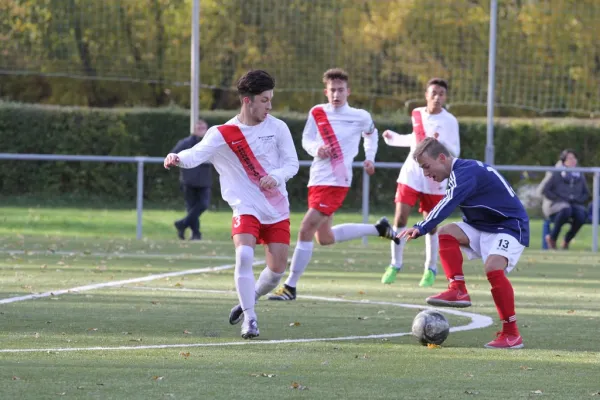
(482, 244)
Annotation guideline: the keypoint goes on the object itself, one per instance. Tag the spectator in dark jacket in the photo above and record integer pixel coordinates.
(565, 196)
(195, 184)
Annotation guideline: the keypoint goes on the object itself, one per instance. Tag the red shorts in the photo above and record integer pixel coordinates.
(278, 232)
(407, 195)
(326, 199)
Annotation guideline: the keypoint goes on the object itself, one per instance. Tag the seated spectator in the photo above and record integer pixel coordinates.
(564, 200)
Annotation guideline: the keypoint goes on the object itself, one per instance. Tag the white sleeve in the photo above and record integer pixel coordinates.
(310, 136)
(451, 139)
(398, 140)
(370, 140)
(202, 151)
(287, 155)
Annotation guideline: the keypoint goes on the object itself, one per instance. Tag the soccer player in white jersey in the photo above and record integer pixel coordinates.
(332, 135)
(254, 155)
(430, 121)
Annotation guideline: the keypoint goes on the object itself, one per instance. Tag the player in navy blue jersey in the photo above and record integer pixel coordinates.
(495, 228)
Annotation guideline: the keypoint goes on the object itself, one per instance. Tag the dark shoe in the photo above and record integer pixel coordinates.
(385, 230)
(236, 315)
(180, 229)
(196, 236)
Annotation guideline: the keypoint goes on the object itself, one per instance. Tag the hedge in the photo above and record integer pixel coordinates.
(153, 132)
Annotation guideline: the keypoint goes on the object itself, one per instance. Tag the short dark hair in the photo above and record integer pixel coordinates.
(437, 81)
(565, 153)
(255, 82)
(431, 147)
(335, 74)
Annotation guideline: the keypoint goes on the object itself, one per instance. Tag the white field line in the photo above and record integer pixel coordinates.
(182, 256)
(477, 321)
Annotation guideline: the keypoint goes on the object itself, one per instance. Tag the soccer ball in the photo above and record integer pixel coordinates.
(430, 327)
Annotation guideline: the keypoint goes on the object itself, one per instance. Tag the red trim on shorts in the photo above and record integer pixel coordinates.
(326, 199)
(407, 195)
(278, 232)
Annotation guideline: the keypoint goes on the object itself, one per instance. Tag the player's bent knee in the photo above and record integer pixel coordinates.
(495, 262)
(325, 240)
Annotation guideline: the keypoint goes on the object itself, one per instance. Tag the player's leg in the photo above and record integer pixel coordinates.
(345, 232)
(428, 203)
(405, 199)
(451, 238)
(311, 222)
(501, 253)
(245, 231)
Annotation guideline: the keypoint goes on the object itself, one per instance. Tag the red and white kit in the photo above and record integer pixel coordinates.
(341, 128)
(444, 127)
(242, 155)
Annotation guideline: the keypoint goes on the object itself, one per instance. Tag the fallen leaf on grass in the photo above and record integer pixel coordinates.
(186, 332)
(469, 375)
(296, 385)
(473, 392)
(92, 329)
(525, 368)
(135, 340)
(36, 335)
(263, 375)
(178, 284)
(433, 346)
(61, 393)
(44, 266)
(596, 394)
(361, 292)
(184, 355)
(16, 378)
(537, 392)
(571, 312)
(158, 378)
(295, 324)
(363, 318)
(155, 302)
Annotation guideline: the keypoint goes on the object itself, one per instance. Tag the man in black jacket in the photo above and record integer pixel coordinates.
(195, 185)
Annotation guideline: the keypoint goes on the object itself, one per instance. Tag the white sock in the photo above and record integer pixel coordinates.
(432, 246)
(345, 232)
(300, 259)
(397, 249)
(267, 281)
(244, 279)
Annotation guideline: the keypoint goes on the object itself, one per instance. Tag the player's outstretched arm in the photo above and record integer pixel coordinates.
(458, 190)
(310, 137)
(203, 151)
(394, 139)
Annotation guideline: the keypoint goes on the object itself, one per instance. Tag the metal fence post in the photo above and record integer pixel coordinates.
(140, 198)
(365, 201)
(595, 211)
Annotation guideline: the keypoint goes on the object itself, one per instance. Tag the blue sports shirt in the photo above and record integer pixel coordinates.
(487, 202)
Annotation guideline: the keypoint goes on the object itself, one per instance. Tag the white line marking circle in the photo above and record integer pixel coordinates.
(478, 321)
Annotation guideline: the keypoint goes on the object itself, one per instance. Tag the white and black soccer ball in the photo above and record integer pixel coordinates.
(430, 327)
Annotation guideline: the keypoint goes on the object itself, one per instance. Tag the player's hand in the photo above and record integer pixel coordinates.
(387, 134)
(171, 160)
(369, 167)
(324, 151)
(408, 234)
(267, 182)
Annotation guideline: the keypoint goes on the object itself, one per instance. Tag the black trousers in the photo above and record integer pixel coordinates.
(197, 200)
(576, 215)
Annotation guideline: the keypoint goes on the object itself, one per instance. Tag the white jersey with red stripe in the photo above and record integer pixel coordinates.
(242, 155)
(442, 126)
(341, 128)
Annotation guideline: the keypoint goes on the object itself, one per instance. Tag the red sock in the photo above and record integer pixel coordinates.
(452, 262)
(504, 297)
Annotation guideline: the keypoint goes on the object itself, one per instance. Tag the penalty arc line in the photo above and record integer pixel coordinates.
(478, 321)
